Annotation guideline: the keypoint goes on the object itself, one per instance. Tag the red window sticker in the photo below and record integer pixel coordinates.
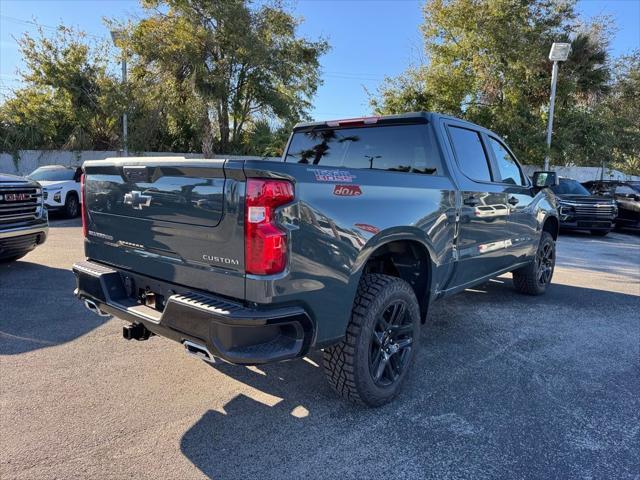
(367, 228)
(347, 190)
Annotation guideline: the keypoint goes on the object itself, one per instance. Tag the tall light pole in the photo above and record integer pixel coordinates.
(118, 38)
(559, 53)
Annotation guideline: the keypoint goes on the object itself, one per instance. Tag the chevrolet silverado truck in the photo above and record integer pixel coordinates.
(24, 222)
(580, 210)
(626, 194)
(342, 245)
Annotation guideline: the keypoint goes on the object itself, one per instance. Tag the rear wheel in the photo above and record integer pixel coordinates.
(535, 277)
(600, 233)
(72, 206)
(369, 366)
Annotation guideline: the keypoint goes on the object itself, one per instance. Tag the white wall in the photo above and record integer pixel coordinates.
(584, 174)
(29, 160)
(32, 159)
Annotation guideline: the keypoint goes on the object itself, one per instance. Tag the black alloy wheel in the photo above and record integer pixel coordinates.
(545, 260)
(535, 277)
(370, 364)
(391, 344)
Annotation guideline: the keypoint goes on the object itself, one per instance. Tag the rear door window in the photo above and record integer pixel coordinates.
(398, 148)
(507, 165)
(470, 153)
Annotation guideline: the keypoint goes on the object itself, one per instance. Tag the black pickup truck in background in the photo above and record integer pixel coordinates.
(580, 210)
(627, 197)
(23, 217)
(340, 246)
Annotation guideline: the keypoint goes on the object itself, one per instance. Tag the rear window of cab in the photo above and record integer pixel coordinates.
(397, 148)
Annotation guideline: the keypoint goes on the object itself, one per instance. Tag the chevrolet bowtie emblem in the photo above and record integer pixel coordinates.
(137, 200)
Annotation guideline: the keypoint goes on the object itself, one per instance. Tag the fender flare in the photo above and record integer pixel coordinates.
(393, 234)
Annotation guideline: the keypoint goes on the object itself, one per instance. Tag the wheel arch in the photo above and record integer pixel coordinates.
(71, 192)
(406, 254)
(551, 224)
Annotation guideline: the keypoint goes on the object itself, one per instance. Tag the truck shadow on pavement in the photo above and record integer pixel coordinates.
(38, 308)
(58, 220)
(504, 385)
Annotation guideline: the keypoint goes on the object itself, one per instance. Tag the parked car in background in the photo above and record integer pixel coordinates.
(23, 217)
(627, 197)
(579, 210)
(61, 188)
(341, 246)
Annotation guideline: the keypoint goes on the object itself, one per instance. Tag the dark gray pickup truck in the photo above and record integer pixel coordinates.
(342, 245)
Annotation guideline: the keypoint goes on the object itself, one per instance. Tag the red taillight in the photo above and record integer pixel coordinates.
(83, 206)
(265, 242)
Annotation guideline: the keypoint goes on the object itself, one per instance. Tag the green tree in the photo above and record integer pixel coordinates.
(487, 62)
(241, 61)
(266, 139)
(68, 74)
(33, 119)
(71, 99)
(621, 109)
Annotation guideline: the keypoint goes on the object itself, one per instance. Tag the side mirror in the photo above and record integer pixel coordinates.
(545, 179)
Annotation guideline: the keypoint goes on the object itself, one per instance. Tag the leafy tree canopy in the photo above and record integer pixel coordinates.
(68, 100)
(240, 60)
(203, 76)
(487, 61)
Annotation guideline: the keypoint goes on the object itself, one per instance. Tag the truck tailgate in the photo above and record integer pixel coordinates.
(173, 219)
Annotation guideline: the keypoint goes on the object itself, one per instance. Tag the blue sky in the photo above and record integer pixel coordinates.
(369, 38)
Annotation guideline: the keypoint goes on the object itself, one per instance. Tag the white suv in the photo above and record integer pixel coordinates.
(60, 188)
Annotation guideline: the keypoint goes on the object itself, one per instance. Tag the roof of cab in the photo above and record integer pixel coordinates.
(382, 119)
(371, 119)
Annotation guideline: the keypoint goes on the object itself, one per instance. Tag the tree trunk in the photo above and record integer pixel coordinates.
(224, 128)
(207, 137)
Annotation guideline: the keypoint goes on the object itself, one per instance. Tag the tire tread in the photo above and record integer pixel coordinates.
(339, 360)
(525, 279)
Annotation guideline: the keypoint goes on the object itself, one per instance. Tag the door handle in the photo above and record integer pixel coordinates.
(471, 201)
(513, 200)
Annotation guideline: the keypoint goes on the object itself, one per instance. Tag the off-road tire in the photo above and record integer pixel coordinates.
(347, 364)
(527, 279)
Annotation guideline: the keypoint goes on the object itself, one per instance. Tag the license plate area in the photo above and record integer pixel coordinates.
(146, 291)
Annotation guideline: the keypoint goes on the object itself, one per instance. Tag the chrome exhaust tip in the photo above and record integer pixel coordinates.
(94, 308)
(199, 351)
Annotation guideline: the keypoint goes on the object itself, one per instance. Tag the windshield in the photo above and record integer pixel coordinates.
(52, 174)
(635, 186)
(569, 187)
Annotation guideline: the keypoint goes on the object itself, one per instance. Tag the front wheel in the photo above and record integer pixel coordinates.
(369, 366)
(535, 277)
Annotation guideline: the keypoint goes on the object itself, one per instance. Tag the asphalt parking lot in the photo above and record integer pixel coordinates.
(505, 386)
